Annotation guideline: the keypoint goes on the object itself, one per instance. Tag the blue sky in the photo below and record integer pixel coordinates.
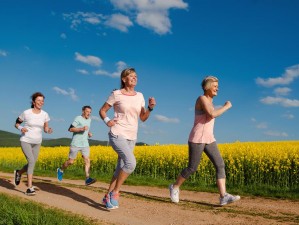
(73, 52)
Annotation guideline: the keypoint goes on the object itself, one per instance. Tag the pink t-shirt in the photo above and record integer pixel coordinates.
(202, 131)
(127, 109)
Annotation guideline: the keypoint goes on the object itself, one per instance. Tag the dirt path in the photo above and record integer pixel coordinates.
(148, 205)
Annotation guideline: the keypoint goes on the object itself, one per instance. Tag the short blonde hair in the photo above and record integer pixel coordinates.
(125, 73)
(206, 82)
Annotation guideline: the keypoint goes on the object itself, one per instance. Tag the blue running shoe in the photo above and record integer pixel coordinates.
(106, 201)
(114, 197)
(59, 174)
(89, 181)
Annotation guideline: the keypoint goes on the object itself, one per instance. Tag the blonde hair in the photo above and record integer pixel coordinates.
(206, 82)
(125, 73)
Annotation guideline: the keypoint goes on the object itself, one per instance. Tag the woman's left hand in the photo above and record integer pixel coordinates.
(151, 102)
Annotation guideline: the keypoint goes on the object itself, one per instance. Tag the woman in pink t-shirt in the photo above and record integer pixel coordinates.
(129, 106)
(202, 138)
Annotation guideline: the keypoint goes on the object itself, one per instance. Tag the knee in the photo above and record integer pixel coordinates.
(220, 170)
(130, 167)
(187, 172)
(87, 161)
(192, 170)
(70, 162)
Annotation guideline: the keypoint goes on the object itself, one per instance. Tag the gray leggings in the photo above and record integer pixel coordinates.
(31, 153)
(124, 148)
(195, 153)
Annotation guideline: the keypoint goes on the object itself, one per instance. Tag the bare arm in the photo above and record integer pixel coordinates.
(103, 114)
(203, 103)
(47, 129)
(77, 129)
(144, 114)
(19, 127)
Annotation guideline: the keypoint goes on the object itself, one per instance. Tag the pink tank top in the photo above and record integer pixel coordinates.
(202, 131)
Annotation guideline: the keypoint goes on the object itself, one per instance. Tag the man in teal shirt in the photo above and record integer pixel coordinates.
(80, 128)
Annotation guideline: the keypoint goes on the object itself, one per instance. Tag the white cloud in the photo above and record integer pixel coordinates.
(282, 91)
(290, 74)
(102, 73)
(276, 134)
(288, 116)
(96, 118)
(151, 14)
(253, 120)
(165, 119)
(157, 21)
(63, 36)
(262, 125)
(79, 18)
(89, 59)
(285, 102)
(70, 93)
(119, 21)
(82, 71)
(3, 53)
(27, 48)
(120, 65)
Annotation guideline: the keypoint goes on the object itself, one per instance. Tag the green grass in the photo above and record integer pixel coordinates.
(15, 211)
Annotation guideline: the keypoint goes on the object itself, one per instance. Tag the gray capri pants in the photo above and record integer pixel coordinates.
(124, 148)
(31, 152)
(195, 153)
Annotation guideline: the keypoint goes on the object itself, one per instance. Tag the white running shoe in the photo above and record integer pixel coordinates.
(174, 194)
(228, 198)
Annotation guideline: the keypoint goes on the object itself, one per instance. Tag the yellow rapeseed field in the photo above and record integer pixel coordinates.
(258, 163)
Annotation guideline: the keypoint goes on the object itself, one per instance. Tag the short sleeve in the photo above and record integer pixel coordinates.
(22, 116)
(76, 122)
(111, 99)
(47, 117)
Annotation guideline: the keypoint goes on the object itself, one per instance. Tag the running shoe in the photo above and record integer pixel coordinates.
(59, 174)
(89, 181)
(30, 191)
(228, 198)
(17, 179)
(174, 194)
(107, 203)
(114, 198)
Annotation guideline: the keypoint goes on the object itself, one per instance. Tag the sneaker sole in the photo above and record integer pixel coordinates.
(230, 202)
(90, 183)
(173, 200)
(14, 181)
(114, 207)
(30, 194)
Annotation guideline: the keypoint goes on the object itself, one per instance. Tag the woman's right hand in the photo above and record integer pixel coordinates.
(111, 123)
(228, 104)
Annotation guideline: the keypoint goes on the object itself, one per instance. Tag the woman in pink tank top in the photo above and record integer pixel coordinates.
(201, 139)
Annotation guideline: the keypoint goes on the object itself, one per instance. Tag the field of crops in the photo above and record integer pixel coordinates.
(261, 163)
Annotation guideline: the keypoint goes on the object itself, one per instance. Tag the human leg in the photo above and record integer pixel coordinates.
(125, 166)
(31, 152)
(71, 159)
(195, 153)
(214, 155)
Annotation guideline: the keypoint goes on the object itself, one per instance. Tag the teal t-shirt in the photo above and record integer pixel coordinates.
(80, 139)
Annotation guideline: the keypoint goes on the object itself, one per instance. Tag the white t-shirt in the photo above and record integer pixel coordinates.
(34, 124)
(127, 109)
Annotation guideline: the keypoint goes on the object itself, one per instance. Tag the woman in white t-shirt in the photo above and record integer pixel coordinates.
(129, 106)
(35, 121)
